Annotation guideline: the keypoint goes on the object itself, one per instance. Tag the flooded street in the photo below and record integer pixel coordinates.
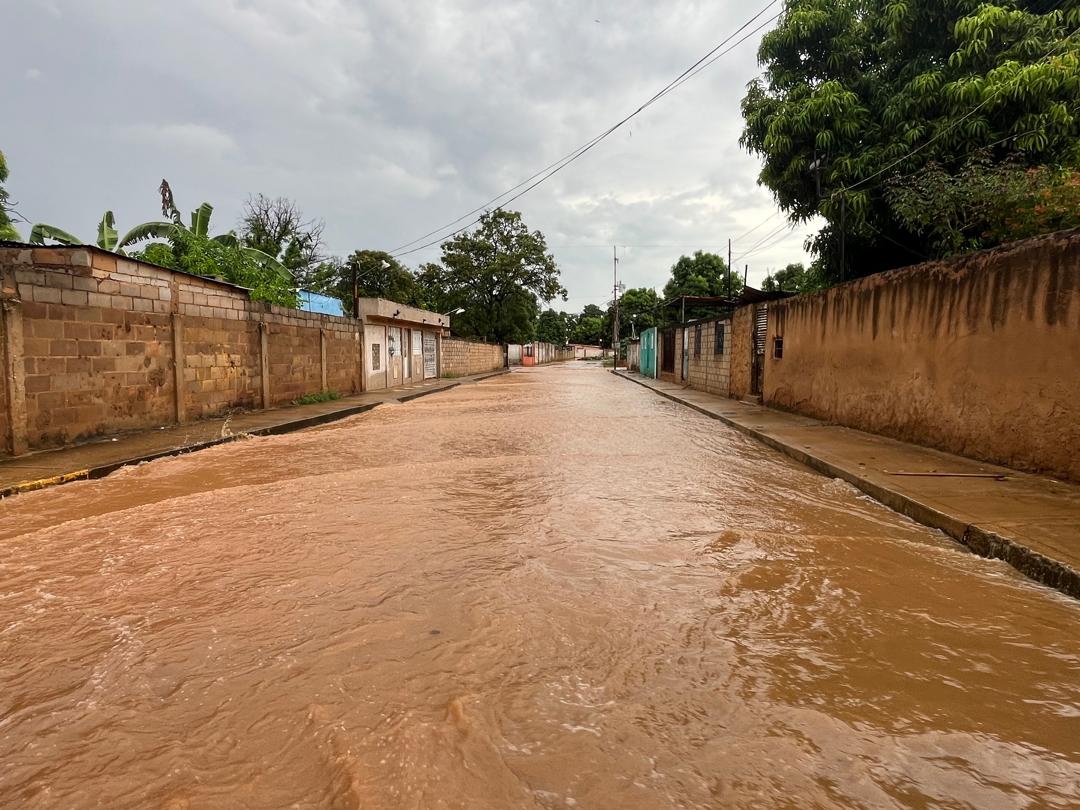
(550, 589)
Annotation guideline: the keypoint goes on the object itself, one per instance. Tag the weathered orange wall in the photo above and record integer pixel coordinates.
(979, 355)
(742, 358)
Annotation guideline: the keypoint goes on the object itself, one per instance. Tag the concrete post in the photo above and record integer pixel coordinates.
(178, 365)
(264, 362)
(322, 358)
(14, 375)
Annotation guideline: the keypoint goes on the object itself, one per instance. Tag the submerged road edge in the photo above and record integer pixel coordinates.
(290, 426)
(1030, 563)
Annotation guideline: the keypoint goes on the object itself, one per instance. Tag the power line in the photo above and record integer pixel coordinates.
(544, 174)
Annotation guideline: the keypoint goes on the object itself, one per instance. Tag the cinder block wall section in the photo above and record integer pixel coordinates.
(461, 358)
(94, 343)
(979, 355)
(710, 370)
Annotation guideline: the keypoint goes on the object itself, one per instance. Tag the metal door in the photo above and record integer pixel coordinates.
(648, 352)
(431, 364)
(375, 356)
(667, 351)
(416, 351)
(393, 349)
(761, 328)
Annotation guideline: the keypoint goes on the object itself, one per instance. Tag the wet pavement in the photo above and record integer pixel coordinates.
(549, 589)
(1031, 520)
(101, 456)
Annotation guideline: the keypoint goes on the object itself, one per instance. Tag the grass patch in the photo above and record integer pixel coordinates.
(451, 375)
(312, 399)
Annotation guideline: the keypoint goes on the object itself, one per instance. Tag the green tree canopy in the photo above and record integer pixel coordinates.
(858, 91)
(703, 274)
(7, 229)
(554, 327)
(497, 272)
(793, 278)
(378, 275)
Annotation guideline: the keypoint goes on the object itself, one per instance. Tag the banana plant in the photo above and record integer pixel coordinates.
(40, 232)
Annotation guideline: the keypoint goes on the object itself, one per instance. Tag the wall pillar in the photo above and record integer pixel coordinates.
(14, 375)
(178, 366)
(264, 362)
(438, 355)
(322, 358)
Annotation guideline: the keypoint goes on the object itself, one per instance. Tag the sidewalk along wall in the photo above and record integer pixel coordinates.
(460, 358)
(103, 344)
(710, 356)
(977, 355)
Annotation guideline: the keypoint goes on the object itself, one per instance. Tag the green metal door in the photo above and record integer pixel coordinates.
(648, 352)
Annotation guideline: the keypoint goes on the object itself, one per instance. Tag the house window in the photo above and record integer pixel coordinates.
(697, 340)
(719, 348)
(376, 356)
(777, 348)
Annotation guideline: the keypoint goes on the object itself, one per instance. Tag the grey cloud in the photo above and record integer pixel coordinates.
(388, 119)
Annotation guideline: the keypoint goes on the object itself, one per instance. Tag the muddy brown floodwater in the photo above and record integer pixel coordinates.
(552, 589)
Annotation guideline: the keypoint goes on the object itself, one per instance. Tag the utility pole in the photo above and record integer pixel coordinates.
(615, 290)
(729, 268)
(745, 274)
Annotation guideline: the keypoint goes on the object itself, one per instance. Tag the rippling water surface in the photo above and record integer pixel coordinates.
(551, 589)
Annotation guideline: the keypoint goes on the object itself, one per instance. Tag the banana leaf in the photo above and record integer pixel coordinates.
(40, 232)
(228, 239)
(106, 232)
(200, 219)
(148, 230)
(268, 261)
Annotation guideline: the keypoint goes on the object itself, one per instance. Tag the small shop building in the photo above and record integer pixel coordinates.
(401, 344)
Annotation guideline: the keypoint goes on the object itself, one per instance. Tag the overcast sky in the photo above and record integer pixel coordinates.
(388, 119)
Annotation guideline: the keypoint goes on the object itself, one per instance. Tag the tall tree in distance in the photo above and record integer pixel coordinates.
(377, 275)
(794, 278)
(278, 228)
(7, 229)
(498, 273)
(701, 275)
(554, 327)
(858, 92)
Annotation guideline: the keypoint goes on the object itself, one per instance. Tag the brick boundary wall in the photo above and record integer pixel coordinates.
(460, 358)
(94, 343)
(976, 355)
(709, 371)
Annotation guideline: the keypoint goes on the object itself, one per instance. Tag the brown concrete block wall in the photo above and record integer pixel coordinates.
(97, 346)
(295, 362)
(977, 355)
(103, 370)
(464, 357)
(711, 372)
(221, 366)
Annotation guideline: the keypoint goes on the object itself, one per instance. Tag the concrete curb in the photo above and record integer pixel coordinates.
(291, 426)
(1031, 564)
